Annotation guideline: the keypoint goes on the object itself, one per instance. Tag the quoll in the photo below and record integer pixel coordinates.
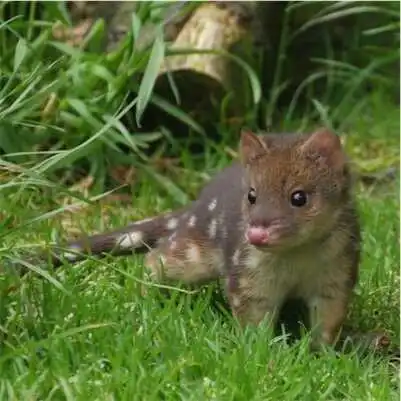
(279, 223)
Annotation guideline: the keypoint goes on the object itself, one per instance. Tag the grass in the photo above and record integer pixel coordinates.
(96, 337)
(87, 333)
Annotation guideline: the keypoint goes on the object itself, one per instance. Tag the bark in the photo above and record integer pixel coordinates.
(204, 80)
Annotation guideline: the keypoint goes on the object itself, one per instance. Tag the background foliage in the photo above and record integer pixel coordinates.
(82, 108)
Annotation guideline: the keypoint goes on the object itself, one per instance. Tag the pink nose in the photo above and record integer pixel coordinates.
(257, 235)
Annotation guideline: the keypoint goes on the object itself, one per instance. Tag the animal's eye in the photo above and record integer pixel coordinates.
(298, 198)
(252, 195)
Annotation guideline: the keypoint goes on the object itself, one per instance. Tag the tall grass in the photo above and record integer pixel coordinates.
(64, 106)
(343, 76)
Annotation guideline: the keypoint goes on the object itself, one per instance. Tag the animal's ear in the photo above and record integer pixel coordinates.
(326, 144)
(251, 146)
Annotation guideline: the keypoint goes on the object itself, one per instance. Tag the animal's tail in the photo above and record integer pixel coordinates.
(137, 237)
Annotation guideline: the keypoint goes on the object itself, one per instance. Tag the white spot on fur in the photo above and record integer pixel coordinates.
(147, 220)
(236, 257)
(193, 254)
(130, 240)
(70, 256)
(173, 245)
(212, 205)
(236, 302)
(223, 226)
(172, 224)
(192, 221)
(213, 228)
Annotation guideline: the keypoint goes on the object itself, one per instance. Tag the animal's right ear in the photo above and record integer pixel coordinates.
(251, 146)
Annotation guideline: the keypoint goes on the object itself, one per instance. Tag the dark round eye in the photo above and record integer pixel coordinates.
(298, 198)
(252, 196)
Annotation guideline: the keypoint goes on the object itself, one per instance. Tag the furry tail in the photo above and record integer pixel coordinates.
(137, 237)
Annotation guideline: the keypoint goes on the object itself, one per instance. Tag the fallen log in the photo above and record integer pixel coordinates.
(204, 79)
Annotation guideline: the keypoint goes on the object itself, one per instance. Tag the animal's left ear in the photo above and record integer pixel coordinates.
(251, 146)
(326, 144)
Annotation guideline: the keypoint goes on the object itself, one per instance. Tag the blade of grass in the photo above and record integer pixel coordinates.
(150, 75)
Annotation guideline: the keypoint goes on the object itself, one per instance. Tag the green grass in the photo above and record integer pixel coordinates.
(86, 333)
(96, 337)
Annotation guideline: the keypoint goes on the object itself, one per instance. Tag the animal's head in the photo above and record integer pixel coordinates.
(295, 187)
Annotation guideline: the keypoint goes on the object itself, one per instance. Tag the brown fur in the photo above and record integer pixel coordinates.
(317, 251)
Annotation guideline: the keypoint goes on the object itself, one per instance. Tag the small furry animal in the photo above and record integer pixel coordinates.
(278, 224)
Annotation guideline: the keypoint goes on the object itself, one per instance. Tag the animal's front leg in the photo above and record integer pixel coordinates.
(253, 301)
(327, 314)
(254, 310)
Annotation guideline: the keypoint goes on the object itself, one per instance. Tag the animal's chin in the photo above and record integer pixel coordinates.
(271, 246)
